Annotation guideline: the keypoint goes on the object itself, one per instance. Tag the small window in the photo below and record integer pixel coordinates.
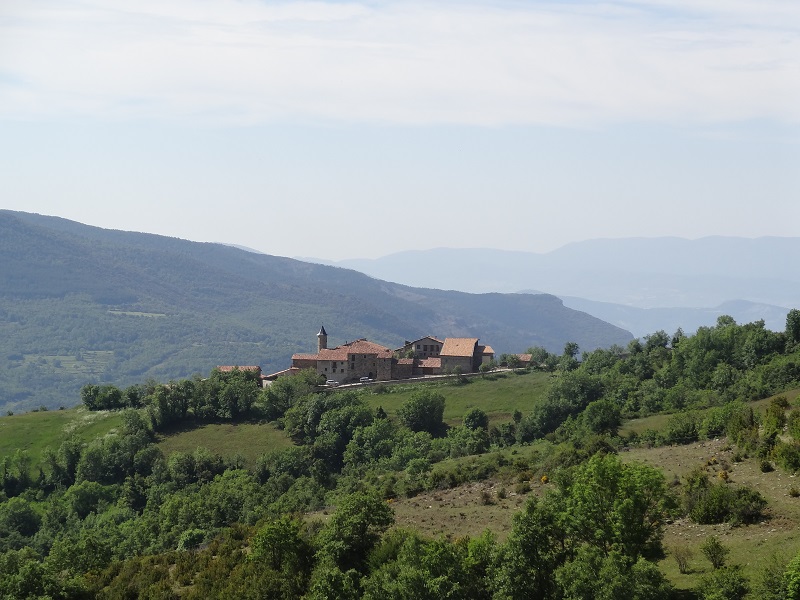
(417, 346)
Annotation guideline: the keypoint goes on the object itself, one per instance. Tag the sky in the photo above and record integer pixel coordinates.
(358, 129)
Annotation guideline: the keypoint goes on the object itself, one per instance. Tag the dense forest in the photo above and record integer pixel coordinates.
(81, 304)
(118, 518)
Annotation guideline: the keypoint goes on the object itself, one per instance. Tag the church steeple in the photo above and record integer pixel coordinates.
(322, 339)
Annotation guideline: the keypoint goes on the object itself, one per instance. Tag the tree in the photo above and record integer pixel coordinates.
(792, 579)
(602, 416)
(281, 546)
(354, 529)
(725, 583)
(616, 506)
(534, 550)
(423, 411)
(793, 327)
(476, 419)
(594, 575)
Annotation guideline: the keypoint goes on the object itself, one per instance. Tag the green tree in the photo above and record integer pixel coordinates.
(423, 411)
(616, 506)
(535, 549)
(354, 529)
(793, 327)
(792, 579)
(476, 419)
(594, 575)
(725, 583)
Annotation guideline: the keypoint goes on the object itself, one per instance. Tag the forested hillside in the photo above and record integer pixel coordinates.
(80, 305)
(121, 516)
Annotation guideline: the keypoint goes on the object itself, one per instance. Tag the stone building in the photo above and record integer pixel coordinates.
(361, 358)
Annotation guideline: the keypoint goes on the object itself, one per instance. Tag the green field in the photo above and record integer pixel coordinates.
(498, 395)
(249, 440)
(35, 431)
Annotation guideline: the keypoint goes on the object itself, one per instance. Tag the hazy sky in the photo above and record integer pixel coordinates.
(357, 129)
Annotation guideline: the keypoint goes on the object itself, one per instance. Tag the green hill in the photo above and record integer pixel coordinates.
(81, 304)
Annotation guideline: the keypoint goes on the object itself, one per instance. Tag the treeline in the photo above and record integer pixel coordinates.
(221, 396)
(715, 366)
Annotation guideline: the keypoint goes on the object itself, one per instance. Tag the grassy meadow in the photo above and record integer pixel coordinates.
(497, 394)
(35, 431)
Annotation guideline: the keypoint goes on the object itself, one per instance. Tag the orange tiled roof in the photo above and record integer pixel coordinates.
(486, 349)
(302, 356)
(432, 362)
(337, 354)
(405, 361)
(459, 347)
(228, 369)
(363, 346)
(341, 353)
(525, 357)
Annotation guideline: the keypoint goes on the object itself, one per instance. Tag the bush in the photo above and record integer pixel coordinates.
(715, 551)
(726, 583)
(787, 456)
(708, 503)
(683, 556)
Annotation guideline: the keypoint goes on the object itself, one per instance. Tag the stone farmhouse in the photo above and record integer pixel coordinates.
(361, 358)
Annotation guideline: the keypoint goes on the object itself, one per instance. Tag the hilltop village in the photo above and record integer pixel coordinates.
(362, 360)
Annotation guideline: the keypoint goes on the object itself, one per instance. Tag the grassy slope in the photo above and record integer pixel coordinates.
(249, 440)
(35, 431)
(498, 395)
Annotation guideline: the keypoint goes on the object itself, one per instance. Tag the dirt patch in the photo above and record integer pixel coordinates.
(467, 510)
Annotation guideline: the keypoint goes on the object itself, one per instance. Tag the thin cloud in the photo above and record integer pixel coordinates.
(475, 63)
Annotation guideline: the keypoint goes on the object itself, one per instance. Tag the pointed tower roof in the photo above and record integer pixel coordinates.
(322, 331)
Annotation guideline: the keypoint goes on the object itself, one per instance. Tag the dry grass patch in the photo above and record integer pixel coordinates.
(466, 510)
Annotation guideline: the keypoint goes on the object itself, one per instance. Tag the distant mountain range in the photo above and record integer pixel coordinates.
(641, 284)
(81, 304)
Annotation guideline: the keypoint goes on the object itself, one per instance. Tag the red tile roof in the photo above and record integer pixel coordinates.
(405, 361)
(459, 347)
(341, 353)
(302, 356)
(433, 362)
(486, 349)
(366, 347)
(338, 354)
(525, 357)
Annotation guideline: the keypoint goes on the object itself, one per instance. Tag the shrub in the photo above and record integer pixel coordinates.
(715, 551)
(683, 556)
(787, 456)
(708, 503)
(727, 583)
(682, 428)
